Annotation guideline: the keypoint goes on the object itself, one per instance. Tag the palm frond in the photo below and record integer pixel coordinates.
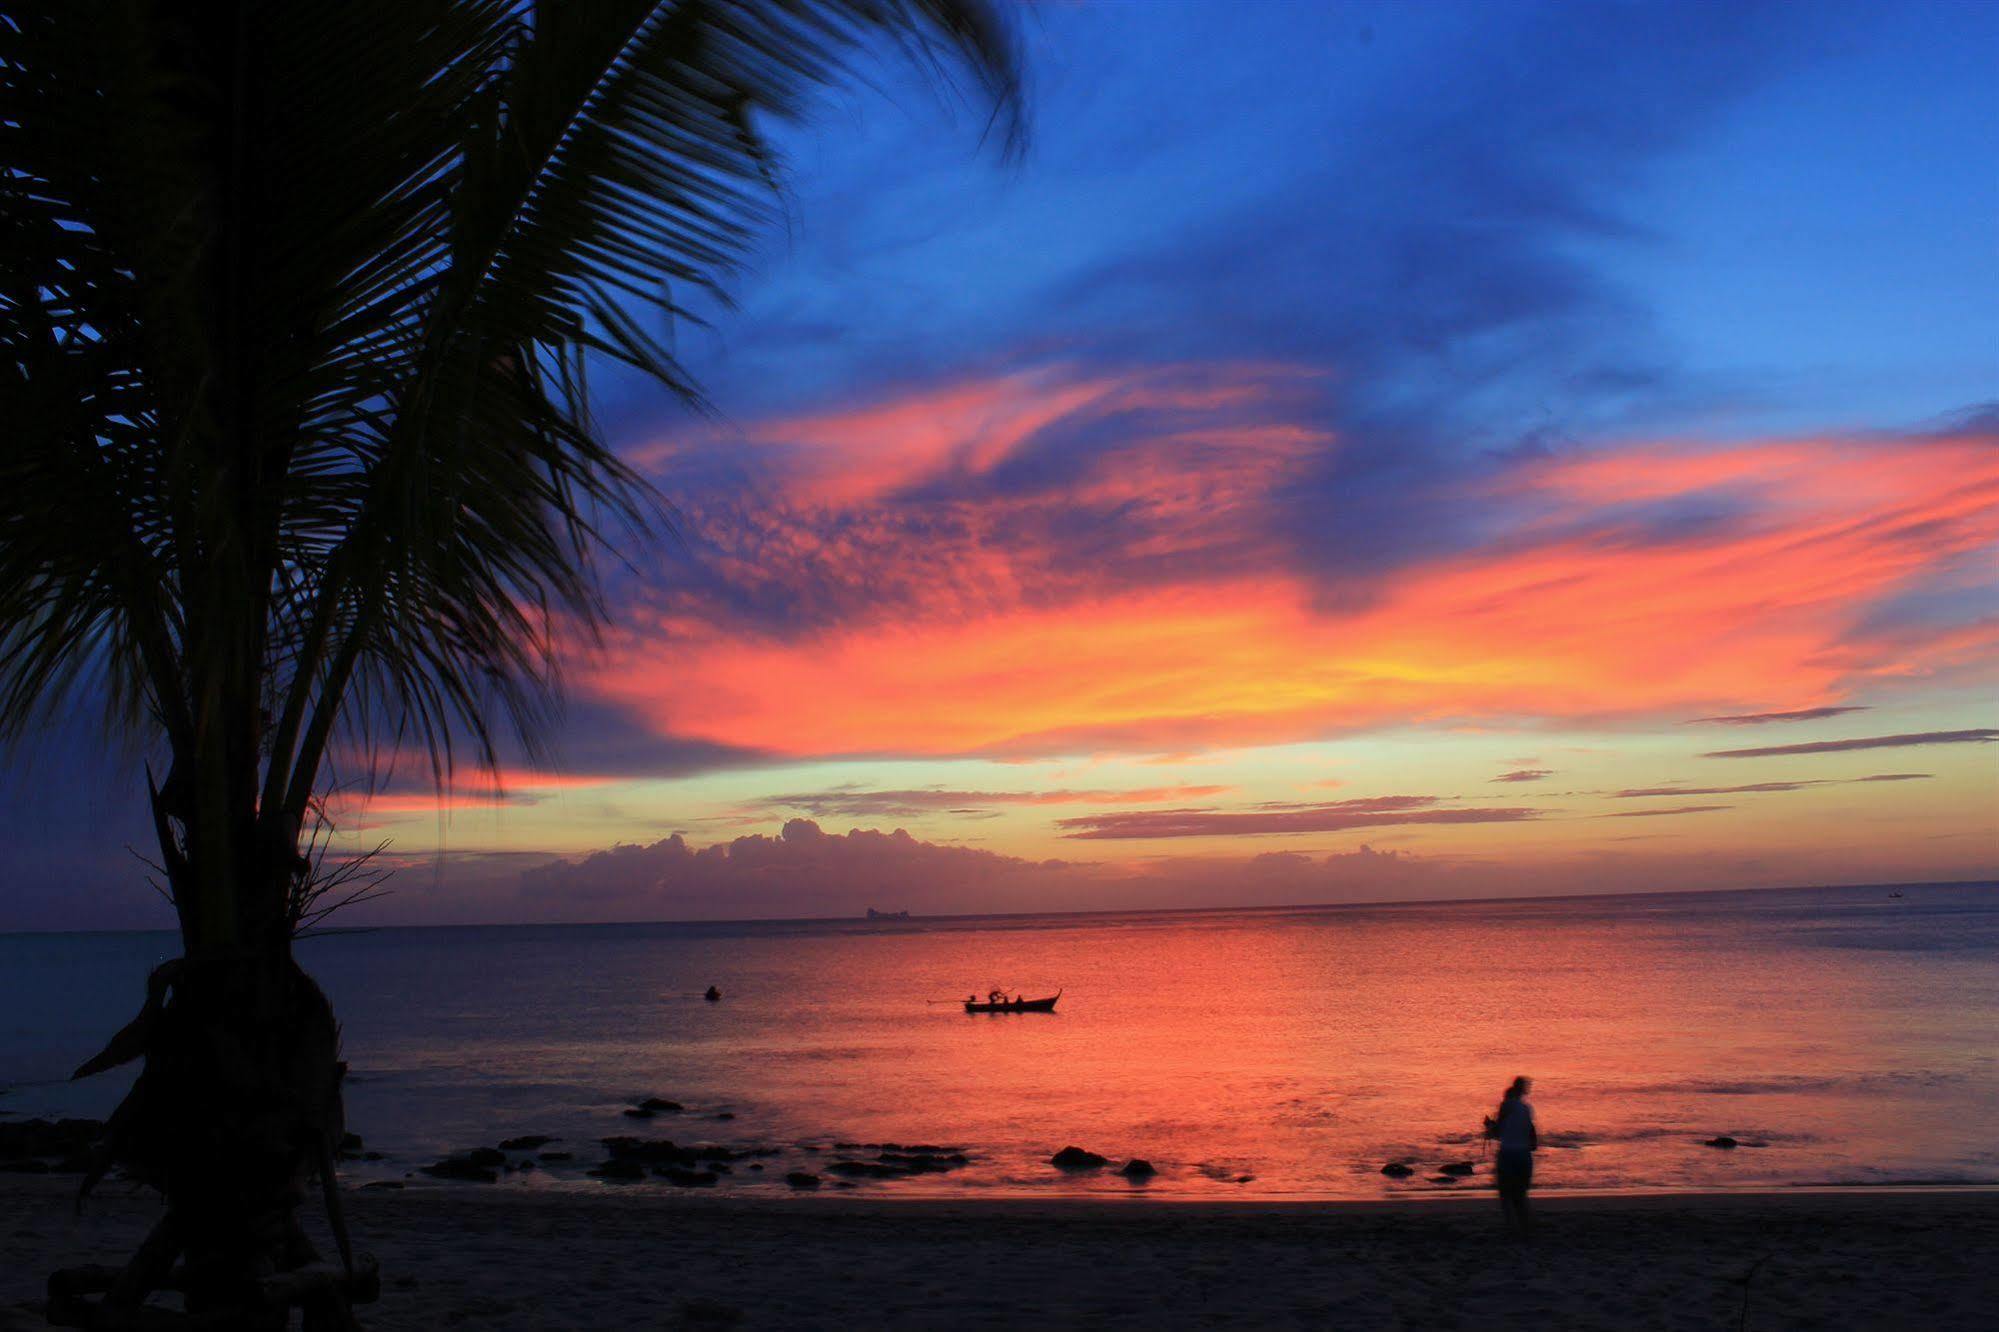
(297, 304)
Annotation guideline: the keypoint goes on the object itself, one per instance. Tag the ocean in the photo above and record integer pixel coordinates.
(1840, 1036)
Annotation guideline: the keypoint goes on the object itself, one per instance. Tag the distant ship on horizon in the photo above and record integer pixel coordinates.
(887, 915)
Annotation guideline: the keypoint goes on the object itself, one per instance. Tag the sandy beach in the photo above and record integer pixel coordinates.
(458, 1257)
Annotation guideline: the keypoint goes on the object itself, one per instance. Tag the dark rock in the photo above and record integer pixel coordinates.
(866, 1170)
(1138, 1168)
(723, 1115)
(653, 1151)
(1443, 1179)
(557, 1156)
(1244, 1179)
(1396, 1170)
(687, 1179)
(660, 1106)
(1724, 1142)
(638, 1112)
(621, 1171)
(462, 1168)
(1075, 1158)
(25, 1165)
(527, 1143)
(799, 1179)
(350, 1145)
(383, 1184)
(757, 1165)
(486, 1156)
(1458, 1168)
(373, 1156)
(923, 1163)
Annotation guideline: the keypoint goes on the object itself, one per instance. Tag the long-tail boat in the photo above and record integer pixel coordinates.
(1013, 1005)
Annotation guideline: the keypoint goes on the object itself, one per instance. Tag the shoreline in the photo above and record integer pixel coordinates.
(521, 1259)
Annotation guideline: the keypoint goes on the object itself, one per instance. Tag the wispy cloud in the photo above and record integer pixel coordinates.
(1525, 775)
(1979, 736)
(854, 802)
(1371, 812)
(1660, 813)
(1764, 718)
(1641, 792)
(1756, 788)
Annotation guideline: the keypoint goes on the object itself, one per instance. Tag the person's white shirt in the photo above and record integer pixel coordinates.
(1516, 1127)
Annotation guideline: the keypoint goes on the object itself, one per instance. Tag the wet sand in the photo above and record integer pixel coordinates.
(460, 1257)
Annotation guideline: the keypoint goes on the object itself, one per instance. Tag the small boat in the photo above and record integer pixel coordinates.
(887, 915)
(1013, 1005)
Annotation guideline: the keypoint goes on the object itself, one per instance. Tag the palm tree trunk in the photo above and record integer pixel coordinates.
(236, 1108)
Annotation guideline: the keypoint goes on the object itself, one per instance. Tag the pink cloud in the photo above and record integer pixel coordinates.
(985, 621)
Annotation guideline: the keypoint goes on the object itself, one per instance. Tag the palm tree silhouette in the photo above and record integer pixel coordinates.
(296, 303)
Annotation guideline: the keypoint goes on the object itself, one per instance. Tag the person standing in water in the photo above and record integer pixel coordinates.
(1514, 1127)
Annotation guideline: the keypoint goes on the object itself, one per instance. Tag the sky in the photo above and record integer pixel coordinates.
(1357, 452)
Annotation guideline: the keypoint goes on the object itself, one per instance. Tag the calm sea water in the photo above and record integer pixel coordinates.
(1852, 1036)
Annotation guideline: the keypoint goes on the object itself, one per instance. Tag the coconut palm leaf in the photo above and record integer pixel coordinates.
(296, 308)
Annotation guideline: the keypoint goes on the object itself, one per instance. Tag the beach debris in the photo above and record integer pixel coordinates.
(1458, 1168)
(463, 1167)
(1396, 1170)
(1075, 1158)
(1138, 1169)
(526, 1143)
(801, 1179)
(1724, 1142)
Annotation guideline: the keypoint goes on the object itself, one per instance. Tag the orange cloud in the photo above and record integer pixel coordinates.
(973, 636)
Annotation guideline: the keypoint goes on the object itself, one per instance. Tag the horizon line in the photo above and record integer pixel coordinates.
(1063, 915)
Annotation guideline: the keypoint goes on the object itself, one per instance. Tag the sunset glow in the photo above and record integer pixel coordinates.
(1338, 489)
